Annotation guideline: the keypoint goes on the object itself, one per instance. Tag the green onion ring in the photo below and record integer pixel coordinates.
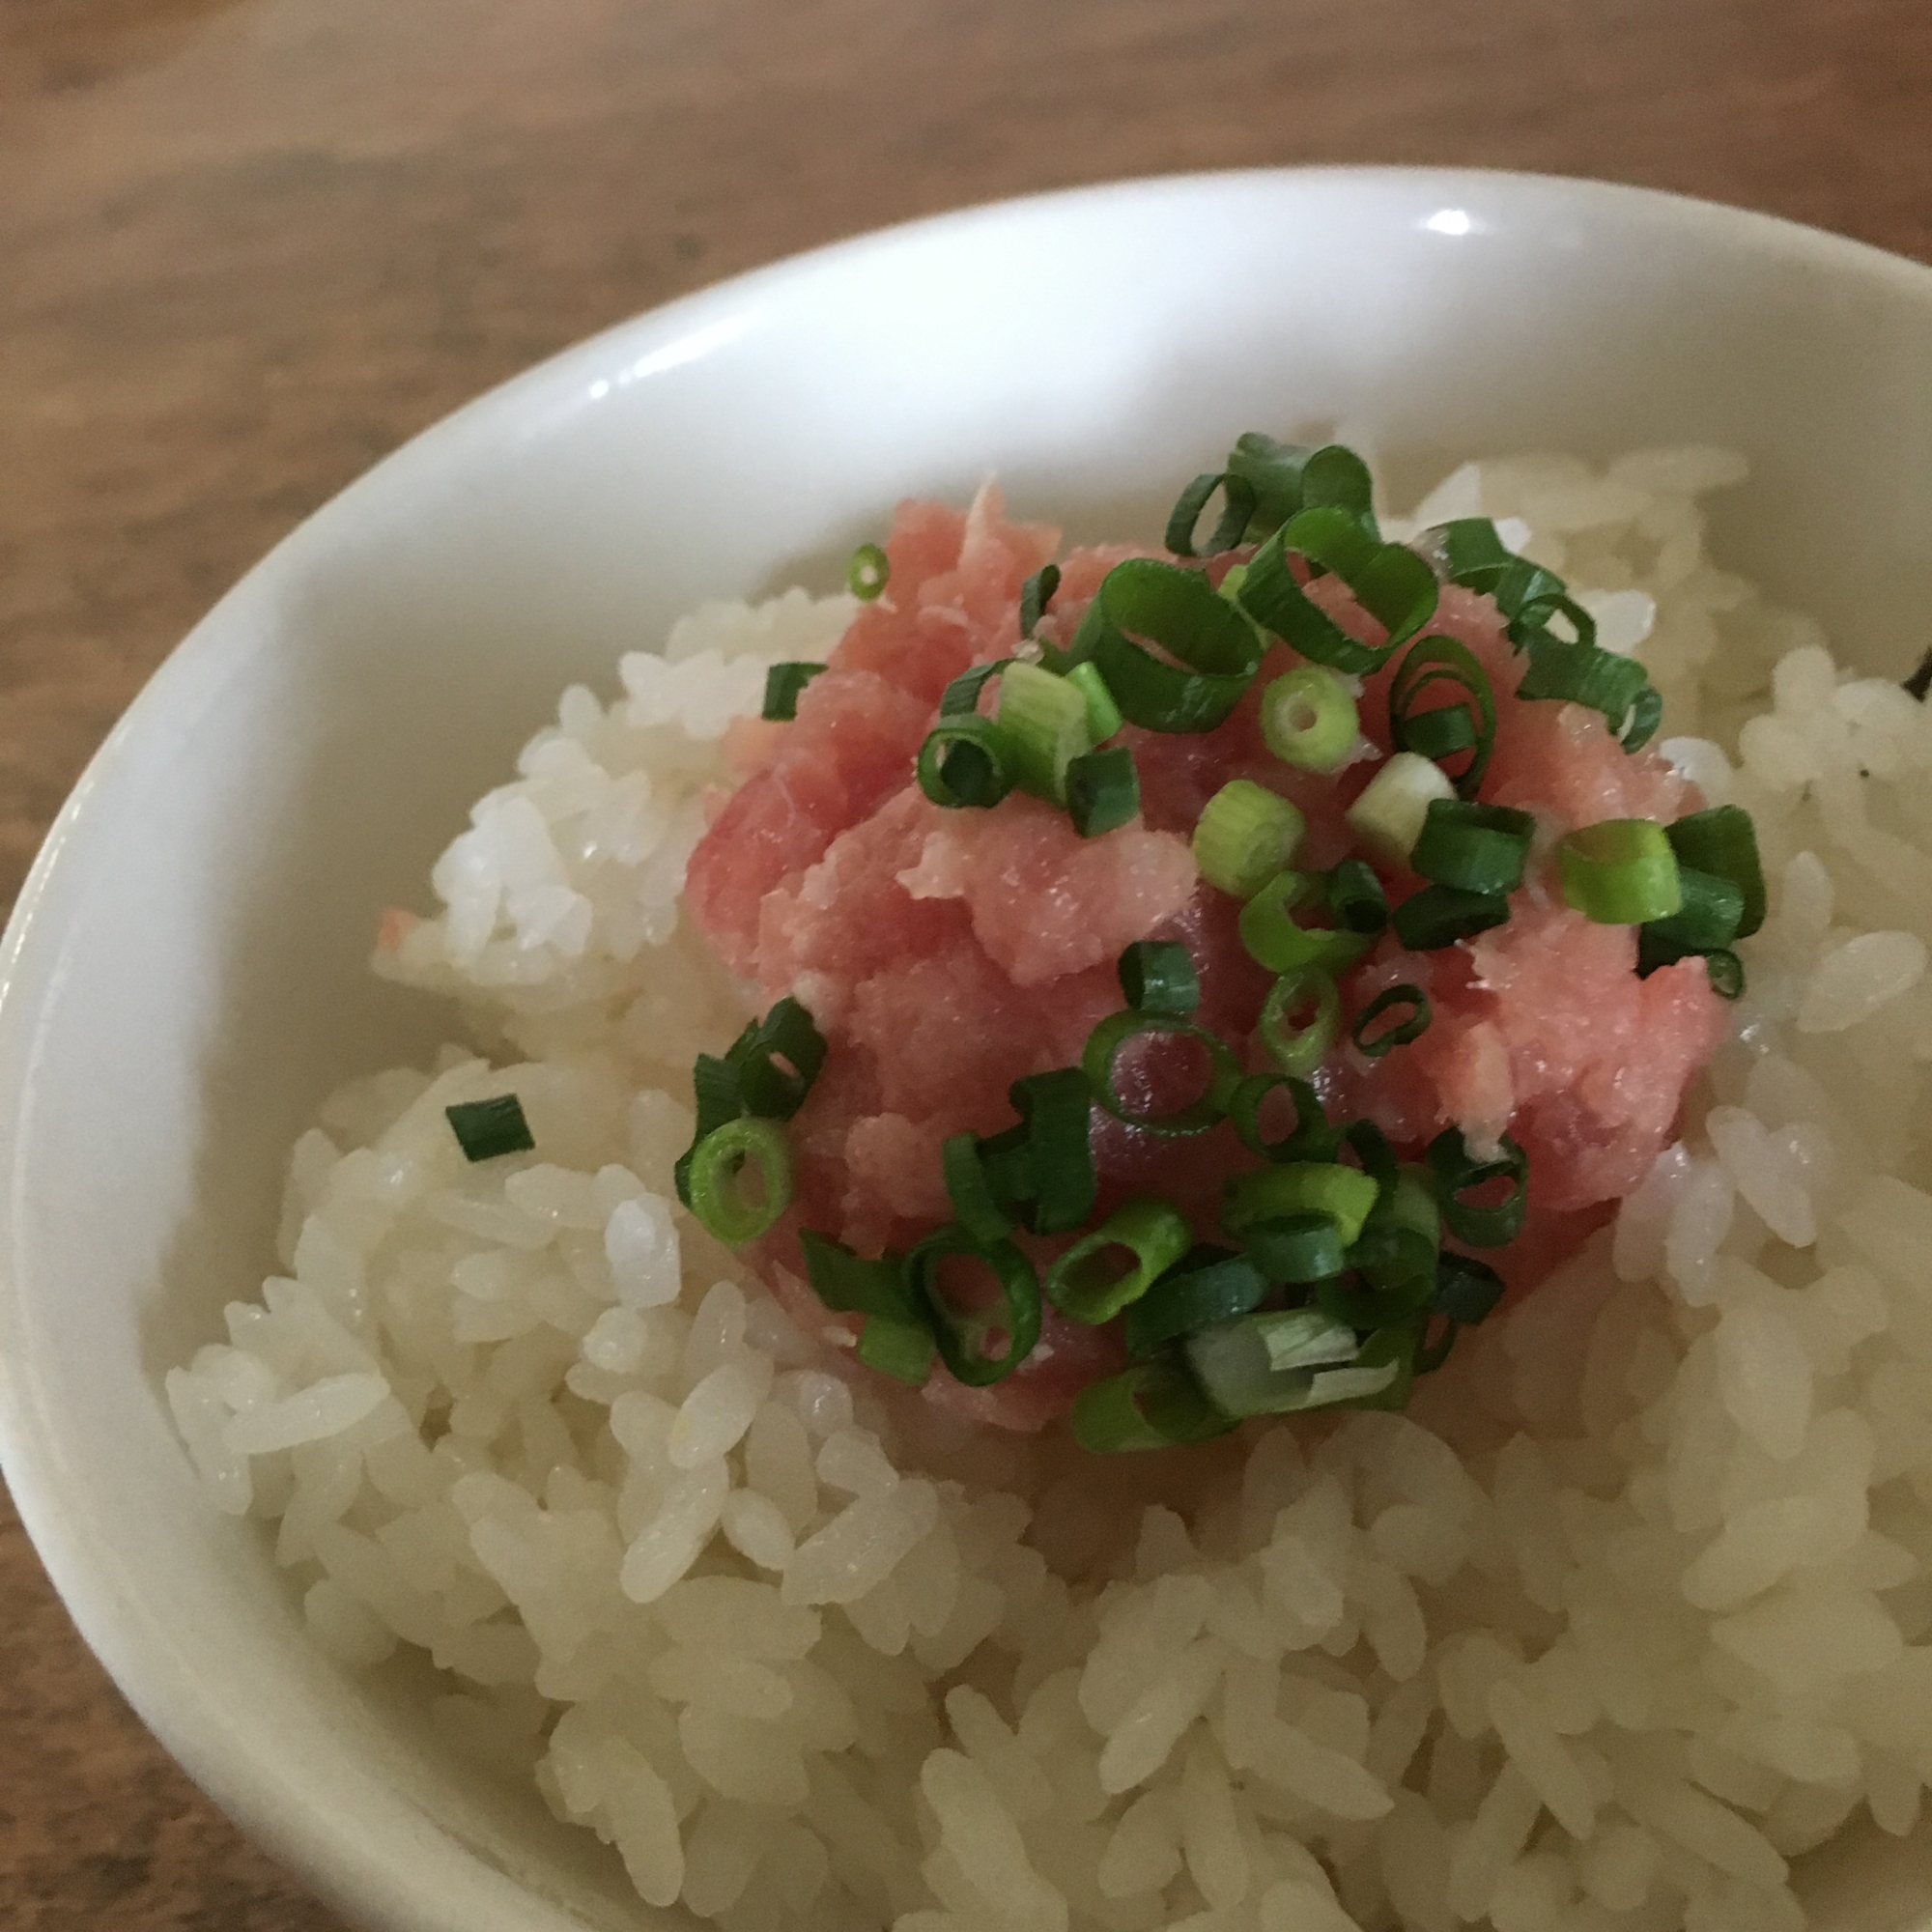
(716, 1168)
(1410, 1027)
(1457, 1172)
(1299, 1049)
(1103, 1048)
(961, 1336)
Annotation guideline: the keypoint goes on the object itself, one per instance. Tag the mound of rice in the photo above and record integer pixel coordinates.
(1633, 1606)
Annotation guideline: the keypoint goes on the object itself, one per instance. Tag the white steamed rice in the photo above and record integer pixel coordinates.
(1633, 1606)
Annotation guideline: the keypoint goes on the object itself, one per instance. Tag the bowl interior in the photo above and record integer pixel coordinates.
(185, 977)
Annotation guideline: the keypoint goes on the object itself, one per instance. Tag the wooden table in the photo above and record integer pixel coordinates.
(246, 246)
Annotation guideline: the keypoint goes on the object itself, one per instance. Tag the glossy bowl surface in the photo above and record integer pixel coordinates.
(183, 977)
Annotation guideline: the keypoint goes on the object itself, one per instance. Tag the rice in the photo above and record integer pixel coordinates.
(1633, 1608)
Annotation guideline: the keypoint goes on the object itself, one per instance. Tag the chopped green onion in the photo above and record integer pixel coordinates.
(1281, 1363)
(1439, 916)
(1356, 898)
(1308, 718)
(1388, 815)
(963, 1335)
(1290, 476)
(1103, 791)
(1238, 506)
(1209, 650)
(1042, 1171)
(1294, 1248)
(1458, 1173)
(963, 763)
(718, 1172)
(777, 1060)
(967, 1186)
(1469, 551)
(1311, 1138)
(1620, 871)
(1466, 724)
(1726, 972)
(849, 1285)
(1389, 1352)
(1371, 1146)
(893, 1337)
(1245, 835)
(1042, 722)
(1646, 714)
(1723, 841)
(1300, 1188)
(868, 572)
(1208, 1283)
(1157, 977)
(487, 1128)
(1150, 1406)
(767, 1071)
(782, 684)
(901, 1350)
(1105, 1044)
(1476, 849)
(1299, 1049)
(1036, 595)
(1410, 1025)
(1087, 1282)
(1391, 583)
(1103, 715)
(1466, 1288)
(1708, 918)
(962, 695)
(1397, 1248)
(1582, 673)
(1273, 938)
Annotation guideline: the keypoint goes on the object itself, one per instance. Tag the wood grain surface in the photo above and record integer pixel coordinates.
(248, 248)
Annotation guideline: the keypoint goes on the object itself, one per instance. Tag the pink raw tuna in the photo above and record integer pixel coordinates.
(944, 954)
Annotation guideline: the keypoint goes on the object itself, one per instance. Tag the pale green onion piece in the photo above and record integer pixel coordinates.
(1042, 722)
(1299, 1049)
(1389, 815)
(719, 1197)
(1621, 872)
(1301, 1187)
(1309, 720)
(1280, 1363)
(866, 575)
(1245, 835)
(1274, 938)
(1103, 715)
(1091, 1282)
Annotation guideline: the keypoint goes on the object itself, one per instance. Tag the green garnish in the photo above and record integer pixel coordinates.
(1043, 727)
(895, 1338)
(1208, 1283)
(1239, 499)
(487, 1128)
(1439, 916)
(1476, 849)
(963, 763)
(782, 684)
(1311, 1138)
(1209, 651)
(1723, 841)
(1298, 1049)
(868, 572)
(1103, 715)
(1620, 871)
(1245, 835)
(1103, 791)
(1356, 898)
(1409, 1003)
(1273, 937)
(1036, 595)
(1110, 1039)
(1091, 1284)
(1300, 1187)
(1458, 1174)
(984, 1345)
(1151, 1405)
(1157, 977)
(721, 1163)
(1390, 582)
(1466, 724)
(1309, 720)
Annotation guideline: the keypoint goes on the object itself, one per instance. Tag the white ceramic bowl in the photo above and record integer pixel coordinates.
(183, 977)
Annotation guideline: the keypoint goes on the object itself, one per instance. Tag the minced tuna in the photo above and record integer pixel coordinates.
(944, 953)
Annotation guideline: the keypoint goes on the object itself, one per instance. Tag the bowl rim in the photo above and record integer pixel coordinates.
(234, 1762)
